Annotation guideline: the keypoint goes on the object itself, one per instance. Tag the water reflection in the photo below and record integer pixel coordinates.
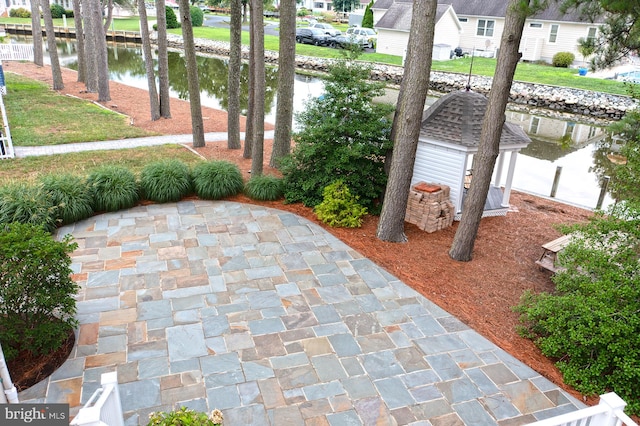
(569, 144)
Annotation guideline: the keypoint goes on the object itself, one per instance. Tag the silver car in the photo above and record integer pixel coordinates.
(366, 37)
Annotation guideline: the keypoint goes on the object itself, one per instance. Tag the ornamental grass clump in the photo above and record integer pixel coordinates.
(166, 181)
(113, 188)
(340, 208)
(27, 203)
(264, 188)
(71, 195)
(214, 180)
(37, 292)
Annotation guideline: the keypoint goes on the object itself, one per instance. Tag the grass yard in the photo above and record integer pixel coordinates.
(82, 163)
(39, 116)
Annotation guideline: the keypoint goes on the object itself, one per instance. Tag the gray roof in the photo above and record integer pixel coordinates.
(495, 8)
(398, 17)
(457, 118)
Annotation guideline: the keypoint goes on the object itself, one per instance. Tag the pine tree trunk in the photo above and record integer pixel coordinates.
(148, 62)
(407, 121)
(233, 83)
(257, 31)
(109, 18)
(90, 52)
(56, 72)
(100, 46)
(249, 133)
(77, 19)
(163, 60)
(286, 76)
(197, 127)
(494, 118)
(36, 32)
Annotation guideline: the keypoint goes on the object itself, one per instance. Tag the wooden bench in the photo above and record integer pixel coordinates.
(550, 254)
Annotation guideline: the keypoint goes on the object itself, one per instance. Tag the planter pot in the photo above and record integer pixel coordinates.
(582, 71)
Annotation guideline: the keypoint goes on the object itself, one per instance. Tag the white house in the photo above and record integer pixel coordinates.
(394, 26)
(482, 23)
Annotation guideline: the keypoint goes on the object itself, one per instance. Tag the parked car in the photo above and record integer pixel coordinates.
(344, 42)
(313, 36)
(327, 28)
(366, 37)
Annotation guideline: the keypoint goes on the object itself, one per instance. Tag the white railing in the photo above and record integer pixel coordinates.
(16, 52)
(608, 412)
(103, 408)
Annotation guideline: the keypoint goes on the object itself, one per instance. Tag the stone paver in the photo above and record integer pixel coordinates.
(271, 319)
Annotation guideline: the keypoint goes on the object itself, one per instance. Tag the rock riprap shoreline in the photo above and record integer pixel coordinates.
(601, 106)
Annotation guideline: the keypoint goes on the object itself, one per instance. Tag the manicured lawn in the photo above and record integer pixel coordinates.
(39, 116)
(82, 163)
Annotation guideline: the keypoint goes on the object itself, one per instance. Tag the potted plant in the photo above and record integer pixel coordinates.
(586, 47)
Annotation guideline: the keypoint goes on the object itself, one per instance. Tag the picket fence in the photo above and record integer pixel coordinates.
(104, 407)
(608, 412)
(16, 52)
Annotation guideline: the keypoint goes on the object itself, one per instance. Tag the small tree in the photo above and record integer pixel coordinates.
(197, 16)
(344, 136)
(367, 19)
(37, 292)
(172, 19)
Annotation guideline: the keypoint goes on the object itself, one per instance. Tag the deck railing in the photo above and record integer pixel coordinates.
(608, 412)
(103, 408)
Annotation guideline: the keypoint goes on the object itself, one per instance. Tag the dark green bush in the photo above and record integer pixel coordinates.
(214, 180)
(112, 188)
(339, 207)
(172, 20)
(70, 194)
(57, 11)
(37, 292)
(26, 203)
(563, 59)
(264, 188)
(303, 12)
(197, 16)
(367, 19)
(185, 416)
(165, 181)
(591, 324)
(20, 12)
(344, 135)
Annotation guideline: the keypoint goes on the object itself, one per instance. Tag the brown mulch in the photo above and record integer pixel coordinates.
(480, 293)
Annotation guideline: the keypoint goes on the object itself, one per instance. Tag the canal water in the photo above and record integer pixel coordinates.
(579, 149)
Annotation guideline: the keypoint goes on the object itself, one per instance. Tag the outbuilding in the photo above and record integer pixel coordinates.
(449, 138)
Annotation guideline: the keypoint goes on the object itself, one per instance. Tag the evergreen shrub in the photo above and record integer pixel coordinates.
(20, 12)
(197, 16)
(36, 289)
(339, 207)
(563, 59)
(57, 11)
(172, 19)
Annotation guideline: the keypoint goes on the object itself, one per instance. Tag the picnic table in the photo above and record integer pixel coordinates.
(551, 250)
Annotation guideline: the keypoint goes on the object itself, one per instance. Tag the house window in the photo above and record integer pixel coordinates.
(592, 132)
(318, 5)
(568, 130)
(485, 27)
(328, 6)
(591, 35)
(533, 126)
(535, 25)
(463, 19)
(553, 34)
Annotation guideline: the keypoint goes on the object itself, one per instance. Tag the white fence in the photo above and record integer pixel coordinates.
(608, 412)
(103, 408)
(16, 52)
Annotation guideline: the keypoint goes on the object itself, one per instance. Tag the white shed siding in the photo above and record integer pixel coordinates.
(445, 165)
(392, 42)
(446, 31)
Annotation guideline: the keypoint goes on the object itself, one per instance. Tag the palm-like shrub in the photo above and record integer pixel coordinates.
(264, 188)
(26, 203)
(112, 188)
(165, 181)
(214, 180)
(70, 194)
